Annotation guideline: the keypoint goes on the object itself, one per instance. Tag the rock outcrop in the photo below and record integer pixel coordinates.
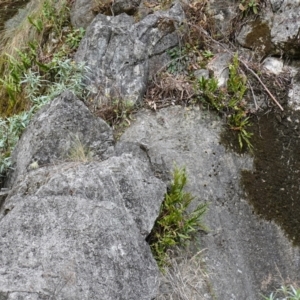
(117, 51)
(275, 32)
(49, 137)
(243, 251)
(73, 230)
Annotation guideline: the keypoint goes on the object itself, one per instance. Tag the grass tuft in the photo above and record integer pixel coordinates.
(175, 225)
(184, 279)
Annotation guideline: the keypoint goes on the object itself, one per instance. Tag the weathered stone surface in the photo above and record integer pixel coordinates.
(276, 32)
(219, 66)
(49, 137)
(294, 91)
(117, 52)
(276, 4)
(285, 29)
(127, 6)
(77, 231)
(222, 12)
(256, 35)
(273, 65)
(82, 13)
(242, 250)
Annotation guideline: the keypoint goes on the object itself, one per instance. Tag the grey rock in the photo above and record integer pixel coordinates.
(256, 35)
(50, 135)
(222, 12)
(273, 65)
(82, 13)
(242, 250)
(294, 91)
(285, 29)
(77, 231)
(127, 6)
(276, 4)
(117, 51)
(219, 66)
(201, 73)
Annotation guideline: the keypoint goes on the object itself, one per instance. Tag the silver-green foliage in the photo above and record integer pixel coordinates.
(284, 293)
(67, 76)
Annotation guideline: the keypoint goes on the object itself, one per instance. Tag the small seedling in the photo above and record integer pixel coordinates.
(207, 54)
(247, 6)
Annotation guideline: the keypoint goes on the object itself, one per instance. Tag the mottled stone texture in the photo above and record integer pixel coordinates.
(77, 231)
(242, 250)
(50, 135)
(117, 51)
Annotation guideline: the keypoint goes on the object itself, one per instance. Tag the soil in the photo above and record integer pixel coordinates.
(8, 9)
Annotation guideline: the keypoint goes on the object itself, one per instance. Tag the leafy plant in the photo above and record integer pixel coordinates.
(207, 54)
(182, 58)
(247, 6)
(73, 38)
(230, 102)
(284, 293)
(238, 120)
(175, 225)
(177, 60)
(68, 76)
(211, 92)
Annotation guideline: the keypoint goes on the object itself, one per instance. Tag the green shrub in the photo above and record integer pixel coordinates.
(175, 225)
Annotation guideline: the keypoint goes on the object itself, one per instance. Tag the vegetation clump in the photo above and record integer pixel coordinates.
(37, 69)
(230, 102)
(175, 225)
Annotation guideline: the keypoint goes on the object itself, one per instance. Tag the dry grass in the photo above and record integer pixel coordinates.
(185, 279)
(17, 36)
(20, 32)
(79, 152)
(166, 89)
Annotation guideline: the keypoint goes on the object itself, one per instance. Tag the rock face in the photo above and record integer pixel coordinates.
(73, 230)
(276, 32)
(49, 137)
(117, 51)
(77, 231)
(243, 251)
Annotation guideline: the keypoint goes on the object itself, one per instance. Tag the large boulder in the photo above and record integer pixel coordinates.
(244, 253)
(49, 137)
(117, 52)
(77, 231)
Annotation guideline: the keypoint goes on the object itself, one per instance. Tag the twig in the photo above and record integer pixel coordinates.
(254, 99)
(264, 86)
(249, 69)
